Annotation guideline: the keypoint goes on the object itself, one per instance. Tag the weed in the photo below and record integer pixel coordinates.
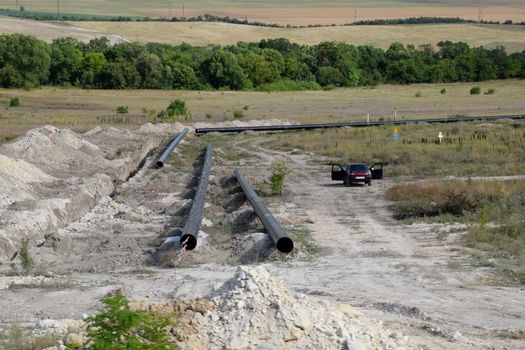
(279, 172)
(246, 107)
(17, 338)
(26, 261)
(122, 109)
(238, 114)
(443, 91)
(490, 92)
(208, 116)
(119, 327)
(418, 94)
(475, 90)
(14, 102)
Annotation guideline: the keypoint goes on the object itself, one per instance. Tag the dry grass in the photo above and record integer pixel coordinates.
(494, 211)
(83, 109)
(512, 37)
(467, 149)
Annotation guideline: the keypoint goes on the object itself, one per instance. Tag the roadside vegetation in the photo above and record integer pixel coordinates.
(27, 62)
(466, 149)
(493, 211)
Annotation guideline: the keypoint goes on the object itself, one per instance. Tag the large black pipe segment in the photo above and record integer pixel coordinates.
(171, 147)
(279, 237)
(354, 124)
(190, 232)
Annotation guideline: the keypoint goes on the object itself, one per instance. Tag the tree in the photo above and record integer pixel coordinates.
(150, 68)
(24, 61)
(263, 67)
(66, 61)
(329, 75)
(92, 64)
(119, 75)
(223, 70)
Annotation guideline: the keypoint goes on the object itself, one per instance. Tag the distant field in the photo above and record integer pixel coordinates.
(512, 37)
(48, 31)
(289, 12)
(83, 109)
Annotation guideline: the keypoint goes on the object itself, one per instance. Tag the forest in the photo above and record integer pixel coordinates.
(268, 65)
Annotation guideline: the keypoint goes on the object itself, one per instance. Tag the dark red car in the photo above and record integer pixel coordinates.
(357, 172)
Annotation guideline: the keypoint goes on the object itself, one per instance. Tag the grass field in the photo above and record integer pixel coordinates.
(512, 37)
(288, 12)
(83, 109)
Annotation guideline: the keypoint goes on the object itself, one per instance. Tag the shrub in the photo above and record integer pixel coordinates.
(238, 114)
(246, 107)
(119, 327)
(15, 102)
(490, 92)
(475, 90)
(208, 116)
(443, 91)
(418, 94)
(177, 108)
(25, 257)
(279, 172)
(122, 109)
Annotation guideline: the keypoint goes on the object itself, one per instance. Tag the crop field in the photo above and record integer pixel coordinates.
(291, 12)
(201, 33)
(84, 109)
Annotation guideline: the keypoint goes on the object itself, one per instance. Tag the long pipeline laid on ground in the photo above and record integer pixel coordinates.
(171, 147)
(354, 124)
(190, 231)
(280, 238)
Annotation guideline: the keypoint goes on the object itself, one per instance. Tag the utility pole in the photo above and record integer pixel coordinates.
(16, 8)
(355, 15)
(58, 8)
(183, 16)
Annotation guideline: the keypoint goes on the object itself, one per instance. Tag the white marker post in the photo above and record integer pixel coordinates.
(440, 136)
(368, 118)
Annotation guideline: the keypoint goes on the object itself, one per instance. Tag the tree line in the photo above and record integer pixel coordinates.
(273, 64)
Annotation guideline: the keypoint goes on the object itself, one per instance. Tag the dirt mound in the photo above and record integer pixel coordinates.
(255, 311)
(242, 123)
(51, 176)
(160, 129)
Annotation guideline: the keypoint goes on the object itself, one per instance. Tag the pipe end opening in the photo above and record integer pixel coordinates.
(191, 241)
(285, 245)
(160, 164)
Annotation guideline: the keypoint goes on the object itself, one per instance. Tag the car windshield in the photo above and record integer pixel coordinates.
(358, 167)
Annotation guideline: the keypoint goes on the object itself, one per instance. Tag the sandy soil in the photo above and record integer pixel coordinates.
(418, 279)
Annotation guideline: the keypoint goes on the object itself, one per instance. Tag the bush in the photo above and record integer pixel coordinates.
(176, 110)
(246, 107)
(443, 91)
(15, 102)
(289, 85)
(25, 257)
(418, 94)
(279, 172)
(238, 114)
(490, 92)
(475, 90)
(119, 327)
(122, 109)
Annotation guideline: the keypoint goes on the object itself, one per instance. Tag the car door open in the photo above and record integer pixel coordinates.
(376, 170)
(338, 173)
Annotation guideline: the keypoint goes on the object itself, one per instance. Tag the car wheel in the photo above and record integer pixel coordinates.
(346, 182)
(369, 183)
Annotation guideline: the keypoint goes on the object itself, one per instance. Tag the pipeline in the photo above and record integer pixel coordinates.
(190, 231)
(355, 124)
(280, 238)
(171, 147)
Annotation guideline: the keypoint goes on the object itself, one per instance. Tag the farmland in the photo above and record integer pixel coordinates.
(296, 13)
(201, 34)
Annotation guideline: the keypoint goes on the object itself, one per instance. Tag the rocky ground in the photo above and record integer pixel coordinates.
(96, 212)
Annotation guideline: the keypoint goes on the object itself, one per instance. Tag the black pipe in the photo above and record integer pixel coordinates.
(190, 231)
(280, 238)
(171, 147)
(354, 124)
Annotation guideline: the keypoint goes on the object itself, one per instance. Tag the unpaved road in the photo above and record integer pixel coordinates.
(416, 278)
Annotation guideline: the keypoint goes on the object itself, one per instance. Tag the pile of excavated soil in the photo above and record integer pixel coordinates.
(50, 177)
(243, 123)
(255, 311)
